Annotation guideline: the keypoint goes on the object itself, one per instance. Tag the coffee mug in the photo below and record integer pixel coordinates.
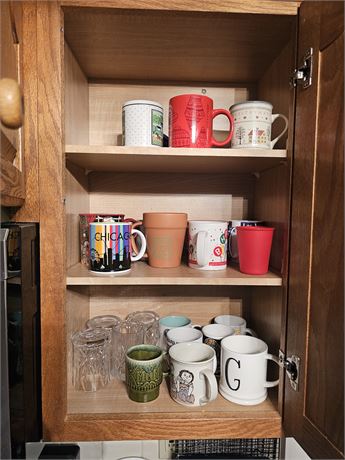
(144, 372)
(183, 334)
(232, 232)
(243, 370)
(142, 123)
(213, 335)
(170, 322)
(237, 324)
(252, 125)
(84, 224)
(207, 244)
(190, 121)
(192, 379)
(111, 247)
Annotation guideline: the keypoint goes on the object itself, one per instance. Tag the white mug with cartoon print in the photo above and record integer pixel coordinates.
(192, 379)
(207, 244)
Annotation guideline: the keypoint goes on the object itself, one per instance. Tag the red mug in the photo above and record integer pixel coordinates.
(190, 122)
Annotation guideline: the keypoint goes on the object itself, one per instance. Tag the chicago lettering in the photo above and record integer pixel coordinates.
(112, 236)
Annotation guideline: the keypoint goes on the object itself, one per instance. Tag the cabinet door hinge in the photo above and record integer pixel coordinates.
(291, 365)
(303, 75)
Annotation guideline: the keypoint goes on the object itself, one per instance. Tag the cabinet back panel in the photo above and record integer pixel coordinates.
(202, 207)
(207, 196)
(200, 303)
(106, 102)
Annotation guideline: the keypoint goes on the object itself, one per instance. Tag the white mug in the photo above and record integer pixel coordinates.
(182, 335)
(237, 324)
(232, 238)
(142, 123)
(243, 370)
(192, 379)
(207, 244)
(252, 125)
(213, 335)
(171, 322)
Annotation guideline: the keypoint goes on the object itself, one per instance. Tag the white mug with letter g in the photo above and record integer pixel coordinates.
(243, 370)
(207, 244)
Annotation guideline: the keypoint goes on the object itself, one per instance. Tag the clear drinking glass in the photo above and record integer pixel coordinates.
(125, 334)
(105, 322)
(150, 323)
(91, 359)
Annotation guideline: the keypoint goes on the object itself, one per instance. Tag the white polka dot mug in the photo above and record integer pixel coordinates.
(252, 125)
(207, 244)
(142, 123)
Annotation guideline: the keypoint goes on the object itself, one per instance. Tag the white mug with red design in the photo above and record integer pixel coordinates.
(207, 244)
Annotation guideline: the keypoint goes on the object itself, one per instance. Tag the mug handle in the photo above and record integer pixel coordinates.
(143, 245)
(201, 248)
(231, 132)
(250, 332)
(274, 118)
(274, 383)
(211, 383)
(231, 234)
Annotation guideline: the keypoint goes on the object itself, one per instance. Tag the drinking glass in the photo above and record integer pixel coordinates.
(91, 359)
(125, 334)
(150, 322)
(105, 322)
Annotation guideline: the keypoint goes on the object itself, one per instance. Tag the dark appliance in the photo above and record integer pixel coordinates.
(20, 338)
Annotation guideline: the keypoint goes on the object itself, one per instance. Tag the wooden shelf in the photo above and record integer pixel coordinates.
(143, 274)
(173, 160)
(113, 415)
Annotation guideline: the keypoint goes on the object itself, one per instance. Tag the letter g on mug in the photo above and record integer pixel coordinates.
(243, 370)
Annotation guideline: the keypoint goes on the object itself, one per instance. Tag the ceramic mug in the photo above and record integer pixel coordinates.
(84, 225)
(192, 379)
(142, 123)
(252, 125)
(171, 322)
(243, 370)
(213, 335)
(237, 324)
(111, 247)
(144, 372)
(190, 121)
(232, 232)
(207, 244)
(182, 335)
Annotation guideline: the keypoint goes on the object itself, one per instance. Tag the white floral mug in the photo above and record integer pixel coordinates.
(252, 125)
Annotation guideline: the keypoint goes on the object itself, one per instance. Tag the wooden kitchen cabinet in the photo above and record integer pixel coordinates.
(19, 176)
(94, 55)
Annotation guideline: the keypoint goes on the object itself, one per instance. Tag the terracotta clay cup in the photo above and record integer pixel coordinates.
(165, 234)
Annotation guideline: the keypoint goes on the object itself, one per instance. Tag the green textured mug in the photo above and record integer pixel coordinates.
(144, 372)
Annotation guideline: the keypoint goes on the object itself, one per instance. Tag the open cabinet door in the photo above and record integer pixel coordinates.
(314, 415)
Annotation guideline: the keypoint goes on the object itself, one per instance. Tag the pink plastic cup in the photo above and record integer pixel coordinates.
(254, 249)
